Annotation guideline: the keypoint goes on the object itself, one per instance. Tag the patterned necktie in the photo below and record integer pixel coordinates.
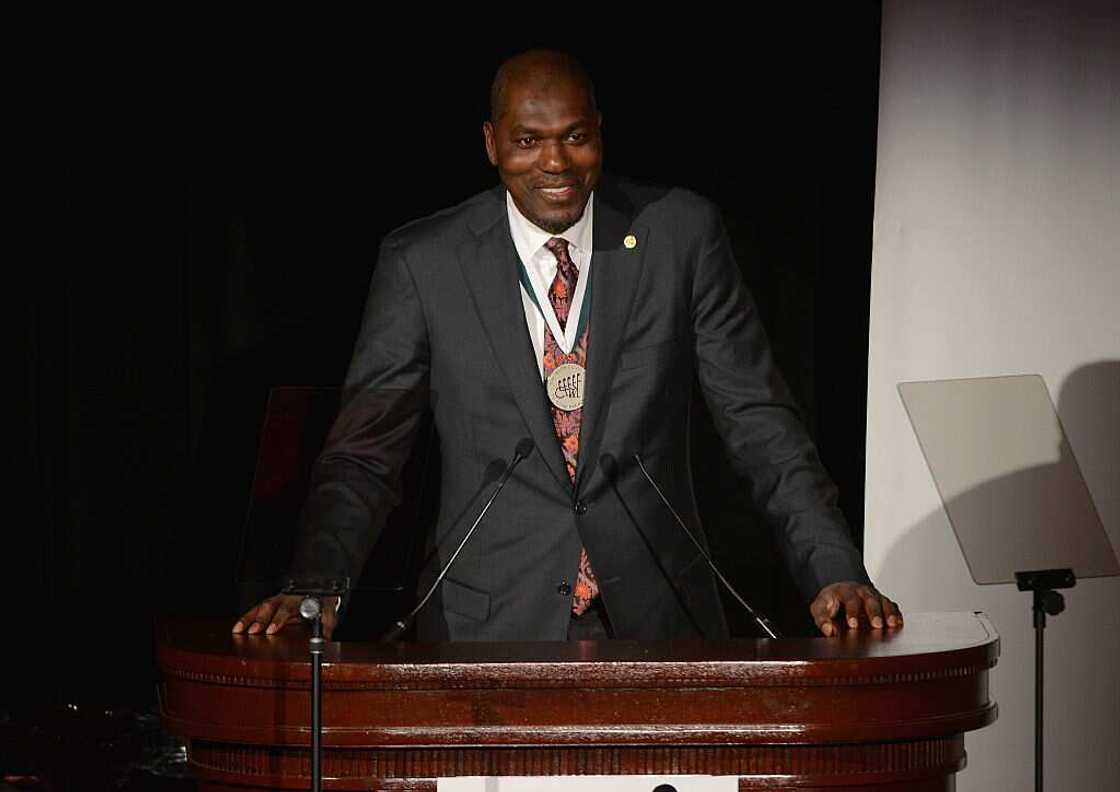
(567, 422)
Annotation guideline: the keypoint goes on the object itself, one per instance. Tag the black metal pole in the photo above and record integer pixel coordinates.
(1041, 583)
(311, 609)
(316, 700)
(1039, 633)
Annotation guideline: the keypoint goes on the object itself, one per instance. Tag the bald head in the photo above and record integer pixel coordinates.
(540, 71)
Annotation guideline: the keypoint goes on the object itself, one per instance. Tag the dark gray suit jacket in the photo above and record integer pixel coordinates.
(444, 329)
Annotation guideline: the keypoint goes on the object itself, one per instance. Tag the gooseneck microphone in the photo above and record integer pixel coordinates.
(523, 449)
(761, 620)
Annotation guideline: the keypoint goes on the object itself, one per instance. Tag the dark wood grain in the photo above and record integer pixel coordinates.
(868, 710)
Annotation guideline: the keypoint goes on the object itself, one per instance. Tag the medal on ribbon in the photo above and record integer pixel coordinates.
(565, 387)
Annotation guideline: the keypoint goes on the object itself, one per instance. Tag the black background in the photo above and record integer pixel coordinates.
(193, 229)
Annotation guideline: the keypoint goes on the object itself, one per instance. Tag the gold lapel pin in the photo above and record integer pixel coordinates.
(630, 242)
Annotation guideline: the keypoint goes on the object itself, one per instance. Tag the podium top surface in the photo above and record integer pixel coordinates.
(928, 643)
(927, 681)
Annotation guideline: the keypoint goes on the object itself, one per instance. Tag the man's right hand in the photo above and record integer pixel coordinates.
(274, 613)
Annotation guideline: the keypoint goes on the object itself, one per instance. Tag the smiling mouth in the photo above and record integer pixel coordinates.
(558, 192)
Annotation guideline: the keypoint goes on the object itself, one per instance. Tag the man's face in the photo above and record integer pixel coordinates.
(547, 149)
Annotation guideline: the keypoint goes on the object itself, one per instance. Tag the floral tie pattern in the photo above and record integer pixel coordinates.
(567, 422)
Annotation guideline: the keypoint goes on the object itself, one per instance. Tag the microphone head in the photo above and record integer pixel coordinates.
(524, 447)
(609, 465)
(310, 608)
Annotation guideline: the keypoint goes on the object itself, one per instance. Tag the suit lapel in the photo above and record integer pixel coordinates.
(489, 266)
(615, 271)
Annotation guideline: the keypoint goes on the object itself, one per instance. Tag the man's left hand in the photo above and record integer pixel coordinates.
(860, 604)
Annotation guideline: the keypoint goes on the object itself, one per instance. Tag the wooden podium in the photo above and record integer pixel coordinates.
(868, 710)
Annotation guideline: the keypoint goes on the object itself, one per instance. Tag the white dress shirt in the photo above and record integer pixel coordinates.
(541, 265)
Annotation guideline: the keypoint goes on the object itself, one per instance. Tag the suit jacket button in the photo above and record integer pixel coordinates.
(564, 589)
(580, 507)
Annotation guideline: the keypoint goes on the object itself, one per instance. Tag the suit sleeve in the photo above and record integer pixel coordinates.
(759, 424)
(355, 481)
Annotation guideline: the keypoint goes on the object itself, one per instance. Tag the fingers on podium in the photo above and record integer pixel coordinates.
(892, 612)
(247, 620)
(281, 617)
(269, 616)
(853, 606)
(872, 606)
(824, 610)
(275, 613)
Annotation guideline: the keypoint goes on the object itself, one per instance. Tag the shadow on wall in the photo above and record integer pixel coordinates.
(1089, 410)
(1083, 688)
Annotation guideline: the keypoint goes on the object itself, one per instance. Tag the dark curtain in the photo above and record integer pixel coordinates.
(188, 235)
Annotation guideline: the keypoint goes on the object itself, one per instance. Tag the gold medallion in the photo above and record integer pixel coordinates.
(565, 387)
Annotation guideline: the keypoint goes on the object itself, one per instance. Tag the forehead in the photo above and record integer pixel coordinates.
(558, 102)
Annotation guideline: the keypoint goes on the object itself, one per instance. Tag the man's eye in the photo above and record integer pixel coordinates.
(526, 141)
(577, 137)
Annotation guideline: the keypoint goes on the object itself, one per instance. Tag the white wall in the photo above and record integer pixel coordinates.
(997, 251)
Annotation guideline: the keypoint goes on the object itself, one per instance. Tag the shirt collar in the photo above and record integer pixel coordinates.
(528, 238)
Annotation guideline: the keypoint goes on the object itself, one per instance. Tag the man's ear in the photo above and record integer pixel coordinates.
(491, 146)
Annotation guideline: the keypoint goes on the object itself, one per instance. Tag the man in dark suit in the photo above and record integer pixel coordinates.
(573, 310)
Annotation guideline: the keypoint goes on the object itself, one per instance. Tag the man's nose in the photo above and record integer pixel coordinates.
(553, 158)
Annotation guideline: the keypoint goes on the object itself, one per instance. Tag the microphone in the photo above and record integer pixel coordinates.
(310, 608)
(761, 620)
(610, 470)
(520, 452)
